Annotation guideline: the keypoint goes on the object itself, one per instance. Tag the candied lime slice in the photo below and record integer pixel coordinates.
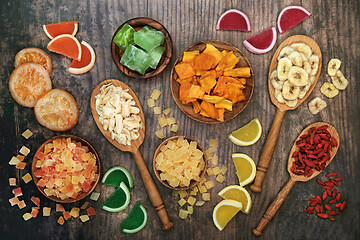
(119, 200)
(115, 175)
(136, 220)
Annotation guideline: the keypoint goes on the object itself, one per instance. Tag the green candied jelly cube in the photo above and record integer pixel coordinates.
(136, 59)
(148, 38)
(156, 54)
(124, 37)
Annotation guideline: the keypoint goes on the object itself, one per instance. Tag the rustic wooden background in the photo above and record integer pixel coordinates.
(333, 24)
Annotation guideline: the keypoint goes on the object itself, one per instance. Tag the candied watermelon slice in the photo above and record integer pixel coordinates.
(233, 19)
(262, 42)
(291, 16)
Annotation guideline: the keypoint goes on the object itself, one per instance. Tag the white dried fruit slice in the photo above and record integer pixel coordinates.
(286, 51)
(275, 82)
(278, 96)
(291, 103)
(329, 90)
(298, 76)
(333, 66)
(304, 90)
(339, 81)
(283, 68)
(289, 91)
(302, 47)
(314, 63)
(296, 59)
(316, 105)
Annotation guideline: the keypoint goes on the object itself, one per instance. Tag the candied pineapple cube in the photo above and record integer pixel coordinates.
(27, 178)
(84, 218)
(181, 202)
(195, 189)
(27, 134)
(162, 121)
(183, 214)
(12, 182)
(46, 211)
(203, 180)
(94, 196)
(213, 143)
(14, 161)
(220, 178)
(24, 151)
(171, 145)
(216, 170)
(182, 193)
(174, 182)
(20, 165)
(202, 189)
(185, 144)
(209, 184)
(210, 151)
(74, 179)
(174, 128)
(190, 209)
(199, 203)
(27, 216)
(151, 103)
(74, 212)
(170, 120)
(193, 193)
(206, 196)
(84, 205)
(21, 204)
(159, 134)
(155, 94)
(209, 171)
(191, 200)
(163, 148)
(167, 111)
(157, 110)
(214, 160)
(223, 170)
(61, 220)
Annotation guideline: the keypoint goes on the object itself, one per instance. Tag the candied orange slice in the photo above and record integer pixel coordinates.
(87, 60)
(57, 110)
(56, 29)
(28, 82)
(34, 55)
(66, 45)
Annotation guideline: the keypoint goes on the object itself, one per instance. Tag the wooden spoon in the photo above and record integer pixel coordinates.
(149, 183)
(271, 140)
(280, 198)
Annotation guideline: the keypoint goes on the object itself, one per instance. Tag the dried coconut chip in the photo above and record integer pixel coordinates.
(14, 161)
(61, 220)
(94, 196)
(27, 178)
(27, 134)
(84, 218)
(84, 205)
(27, 216)
(12, 182)
(24, 151)
(46, 211)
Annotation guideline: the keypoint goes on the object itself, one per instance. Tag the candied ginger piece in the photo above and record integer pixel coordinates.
(220, 178)
(182, 193)
(27, 134)
(27, 216)
(167, 111)
(174, 128)
(175, 193)
(24, 151)
(159, 134)
(214, 160)
(84, 218)
(27, 178)
(202, 189)
(216, 170)
(157, 110)
(170, 121)
(183, 214)
(46, 211)
(155, 94)
(199, 203)
(162, 121)
(190, 209)
(209, 184)
(191, 200)
(181, 202)
(209, 171)
(14, 161)
(74, 212)
(213, 143)
(206, 196)
(12, 182)
(151, 103)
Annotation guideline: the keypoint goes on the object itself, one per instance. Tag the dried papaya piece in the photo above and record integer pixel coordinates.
(233, 92)
(203, 61)
(238, 72)
(184, 70)
(224, 104)
(189, 56)
(213, 51)
(184, 92)
(221, 114)
(203, 113)
(212, 99)
(195, 92)
(196, 107)
(228, 62)
(185, 80)
(208, 73)
(208, 83)
(224, 52)
(210, 109)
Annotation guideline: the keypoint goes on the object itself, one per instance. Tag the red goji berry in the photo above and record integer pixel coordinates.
(328, 207)
(320, 182)
(330, 184)
(338, 179)
(333, 200)
(332, 219)
(331, 174)
(324, 195)
(333, 213)
(322, 215)
(342, 206)
(326, 187)
(338, 196)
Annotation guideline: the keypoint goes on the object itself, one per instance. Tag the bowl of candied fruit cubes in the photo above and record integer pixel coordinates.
(141, 48)
(66, 168)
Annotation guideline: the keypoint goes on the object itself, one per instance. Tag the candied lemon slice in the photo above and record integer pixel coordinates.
(237, 193)
(224, 211)
(248, 134)
(245, 168)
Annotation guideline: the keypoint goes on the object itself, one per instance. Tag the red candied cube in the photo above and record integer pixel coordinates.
(90, 211)
(40, 155)
(86, 186)
(74, 195)
(60, 208)
(17, 192)
(39, 173)
(66, 215)
(13, 201)
(34, 212)
(41, 183)
(35, 200)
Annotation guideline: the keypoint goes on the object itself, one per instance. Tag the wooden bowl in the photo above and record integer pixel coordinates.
(237, 107)
(137, 24)
(82, 194)
(157, 172)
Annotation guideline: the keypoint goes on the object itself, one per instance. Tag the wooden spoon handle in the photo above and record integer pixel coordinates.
(274, 207)
(268, 151)
(152, 191)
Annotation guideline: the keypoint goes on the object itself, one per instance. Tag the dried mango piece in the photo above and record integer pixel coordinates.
(238, 72)
(228, 62)
(199, 72)
(212, 99)
(220, 85)
(196, 106)
(185, 80)
(208, 83)
(224, 104)
(203, 113)
(195, 91)
(210, 109)
(221, 113)
(184, 70)
(213, 51)
(205, 74)
(203, 61)
(184, 93)
(224, 52)
(190, 55)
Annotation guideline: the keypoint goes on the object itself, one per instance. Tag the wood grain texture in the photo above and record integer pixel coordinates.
(333, 25)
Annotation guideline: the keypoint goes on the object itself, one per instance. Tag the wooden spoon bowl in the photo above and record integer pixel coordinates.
(149, 183)
(271, 140)
(280, 198)
(192, 182)
(82, 194)
(137, 24)
(238, 107)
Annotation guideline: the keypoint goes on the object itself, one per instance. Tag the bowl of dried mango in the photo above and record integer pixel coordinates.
(179, 163)
(212, 81)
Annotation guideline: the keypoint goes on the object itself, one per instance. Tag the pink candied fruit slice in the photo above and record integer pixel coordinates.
(86, 186)
(60, 208)
(90, 211)
(35, 200)
(34, 212)
(40, 155)
(262, 42)
(17, 192)
(66, 215)
(41, 183)
(39, 173)
(233, 19)
(291, 16)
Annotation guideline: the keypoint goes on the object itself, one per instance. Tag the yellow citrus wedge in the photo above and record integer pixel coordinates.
(245, 168)
(237, 193)
(248, 134)
(224, 211)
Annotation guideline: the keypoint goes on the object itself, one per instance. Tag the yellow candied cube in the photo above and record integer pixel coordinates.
(151, 103)
(193, 145)
(24, 151)
(46, 211)
(84, 218)
(163, 148)
(191, 200)
(167, 111)
(213, 143)
(186, 164)
(190, 209)
(182, 193)
(197, 178)
(193, 193)
(195, 189)
(197, 153)
(179, 169)
(159, 134)
(157, 110)
(206, 196)
(82, 178)
(203, 180)
(202, 189)
(27, 134)
(209, 171)
(174, 128)
(171, 145)
(216, 170)
(179, 141)
(183, 214)
(220, 178)
(159, 158)
(201, 164)
(170, 121)
(209, 184)
(74, 179)
(74, 212)
(184, 182)
(181, 202)
(223, 170)
(162, 121)
(185, 144)
(199, 203)
(155, 94)
(210, 151)
(214, 160)
(27, 216)
(27, 178)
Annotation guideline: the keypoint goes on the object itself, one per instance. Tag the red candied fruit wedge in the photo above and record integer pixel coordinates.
(35, 200)
(17, 192)
(40, 155)
(291, 16)
(66, 215)
(39, 173)
(90, 211)
(86, 186)
(34, 212)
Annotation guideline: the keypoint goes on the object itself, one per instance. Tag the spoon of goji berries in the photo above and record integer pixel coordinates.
(311, 153)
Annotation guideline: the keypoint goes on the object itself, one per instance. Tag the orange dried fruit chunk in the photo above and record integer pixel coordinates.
(184, 93)
(90, 211)
(184, 70)
(57, 110)
(61, 220)
(195, 92)
(56, 29)
(208, 83)
(34, 55)
(189, 56)
(238, 72)
(28, 82)
(196, 107)
(213, 51)
(203, 61)
(66, 45)
(210, 109)
(228, 62)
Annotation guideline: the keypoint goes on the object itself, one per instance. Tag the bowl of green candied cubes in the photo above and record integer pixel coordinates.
(141, 48)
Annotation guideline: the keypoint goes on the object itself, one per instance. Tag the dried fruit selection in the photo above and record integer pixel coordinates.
(331, 202)
(313, 152)
(211, 82)
(65, 168)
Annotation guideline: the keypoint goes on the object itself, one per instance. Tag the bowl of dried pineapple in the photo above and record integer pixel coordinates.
(179, 163)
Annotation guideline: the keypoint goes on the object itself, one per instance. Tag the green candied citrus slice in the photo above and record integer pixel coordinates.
(115, 175)
(119, 200)
(136, 220)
